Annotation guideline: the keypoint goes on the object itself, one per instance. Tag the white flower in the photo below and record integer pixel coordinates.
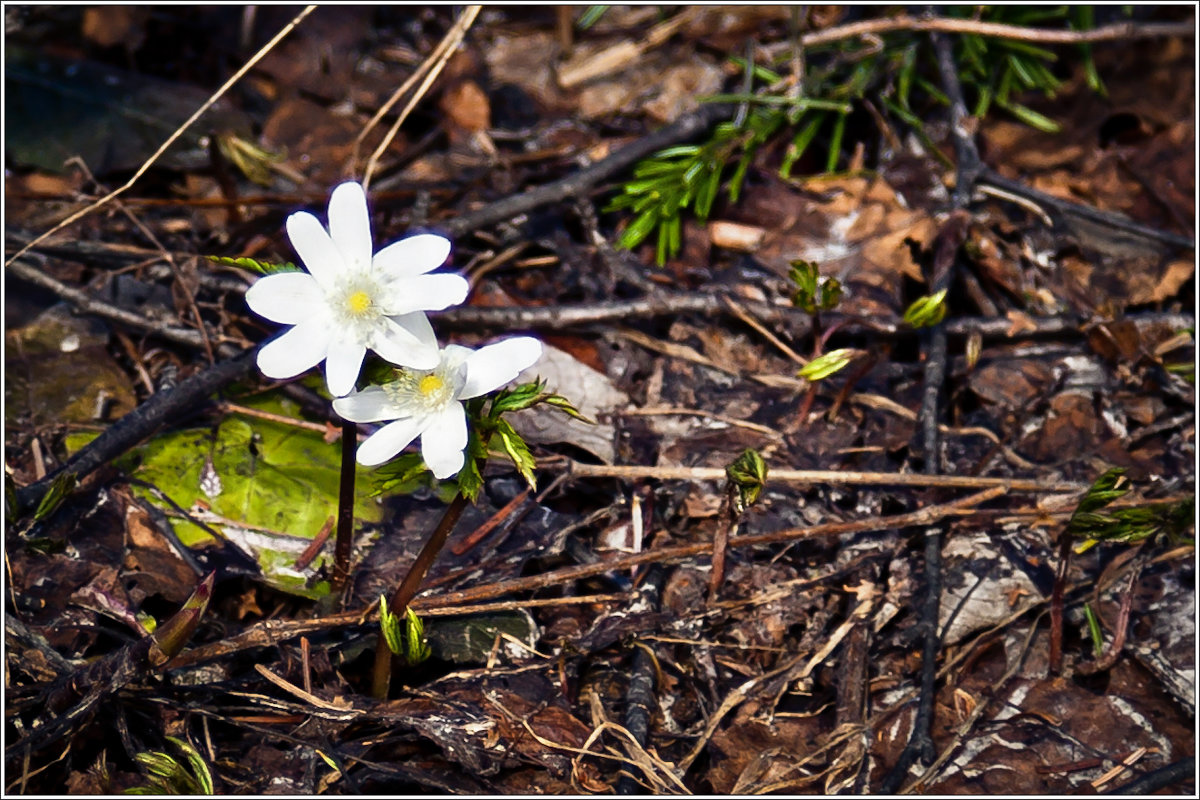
(349, 301)
(427, 403)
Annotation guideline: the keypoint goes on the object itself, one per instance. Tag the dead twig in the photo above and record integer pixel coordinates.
(273, 631)
(1071, 215)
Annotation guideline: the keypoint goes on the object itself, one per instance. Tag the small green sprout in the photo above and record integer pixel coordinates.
(1129, 525)
(814, 293)
(748, 475)
(1093, 623)
(60, 488)
(823, 366)
(166, 775)
(389, 624)
(407, 642)
(927, 311)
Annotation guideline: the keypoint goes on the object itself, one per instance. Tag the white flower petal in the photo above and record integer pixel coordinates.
(424, 293)
(413, 256)
(493, 366)
(407, 340)
(389, 440)
(315, 248)
(370, 405)
(443, 441)
(350, 226)
(298, 349)
(342, 365)
(287, 297)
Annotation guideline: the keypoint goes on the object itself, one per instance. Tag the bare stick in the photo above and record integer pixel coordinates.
(217, 95)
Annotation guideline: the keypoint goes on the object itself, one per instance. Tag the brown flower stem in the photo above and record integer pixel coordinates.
(1056, 603)
(398, 603)
(345, 520)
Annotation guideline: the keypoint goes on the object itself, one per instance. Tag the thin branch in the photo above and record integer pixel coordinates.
(1064, 211)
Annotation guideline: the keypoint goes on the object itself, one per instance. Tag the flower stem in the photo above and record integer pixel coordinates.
(345, 520)
(398, 603)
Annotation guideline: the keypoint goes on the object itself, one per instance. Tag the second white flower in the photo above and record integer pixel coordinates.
(428, 403)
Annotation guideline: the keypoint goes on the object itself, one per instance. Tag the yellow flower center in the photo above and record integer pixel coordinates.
(430, 384)
(358, 303)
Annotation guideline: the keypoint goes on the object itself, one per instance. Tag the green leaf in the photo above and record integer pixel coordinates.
(760, 73)
(590, 16)
(639, 229)
(835, 143)
(734, 189)
(706, 195)
(1093, 623)
(678, 151)
(517, 398)
(564, 405)
(60, 488)
(661, 248)
(1127, 525)
(276, 483)
(197, 763)
(389, 625)
(805, 275)
(904, 78)
(1108, 487)
(822, 367)
(253, 265)
(470, 482)
(829, 294)
(517, 451)
(800, 144)
(404, 474)
(1030, 117)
